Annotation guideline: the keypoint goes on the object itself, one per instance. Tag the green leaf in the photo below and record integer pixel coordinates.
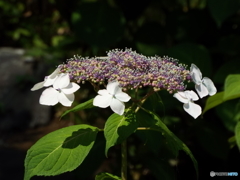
(232, 91)
(232, 87)
(118, 128)
(213, 101)
(60, 151)
(173, 142)
(222, 9)
(106, 176)
(86, 105)
(237, 134)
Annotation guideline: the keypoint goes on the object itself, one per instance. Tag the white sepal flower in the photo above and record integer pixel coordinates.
(48, 80)
(62, 91)
(203, 86)
(113, 97)
(187, 97)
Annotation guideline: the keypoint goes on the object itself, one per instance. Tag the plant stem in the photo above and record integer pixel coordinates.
(124, 160)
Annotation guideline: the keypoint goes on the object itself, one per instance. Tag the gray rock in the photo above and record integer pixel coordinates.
(19, 106)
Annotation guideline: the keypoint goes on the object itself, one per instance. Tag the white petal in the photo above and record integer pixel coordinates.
(117, 106)
(210, 86)
(62, 81)
(122, 96)
(37, 86)
(66, 99)
(102, 101)
(71, 88)
(201, 90)
(49, 97)
(193, 109)
(103, 92)
(113, 87)
(49, 80)
(55, 73)
(192, 95)
(181, 96)
(195, 74)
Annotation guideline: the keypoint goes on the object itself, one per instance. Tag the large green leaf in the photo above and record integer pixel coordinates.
(213, 101)
(232, 87)
(60, 151)
(118, 128)
(173, 142)
(237, 134)
(231, 91)
(86, 105)
(106, 176)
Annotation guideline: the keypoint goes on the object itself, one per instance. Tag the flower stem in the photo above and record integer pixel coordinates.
(124, 160)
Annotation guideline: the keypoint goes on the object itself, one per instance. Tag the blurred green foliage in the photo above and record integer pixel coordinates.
(203, 32)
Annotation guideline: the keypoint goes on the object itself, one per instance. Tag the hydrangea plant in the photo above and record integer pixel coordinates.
(117, 79)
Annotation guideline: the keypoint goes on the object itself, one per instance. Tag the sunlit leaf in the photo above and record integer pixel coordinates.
(86, 105)
(213, 101)
(60, 151)
(232, 87)
(118, 128)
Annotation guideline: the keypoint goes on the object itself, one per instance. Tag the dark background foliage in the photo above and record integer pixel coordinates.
(203, 32)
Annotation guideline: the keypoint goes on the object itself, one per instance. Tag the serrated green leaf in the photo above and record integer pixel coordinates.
(237, 134)
(86, 105)
(118, 128)
(232, 87)
(60, 151)
(174, 143)
(106, 176)
(213, 101)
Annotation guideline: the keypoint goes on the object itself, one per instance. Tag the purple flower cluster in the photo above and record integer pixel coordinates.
(130, 69)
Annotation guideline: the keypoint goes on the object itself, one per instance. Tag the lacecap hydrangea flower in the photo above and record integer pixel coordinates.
(124, 70)
(62, 90)
(130, 69)
(203, 87)
(187, 97)
(48, 80)
(113, 97)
